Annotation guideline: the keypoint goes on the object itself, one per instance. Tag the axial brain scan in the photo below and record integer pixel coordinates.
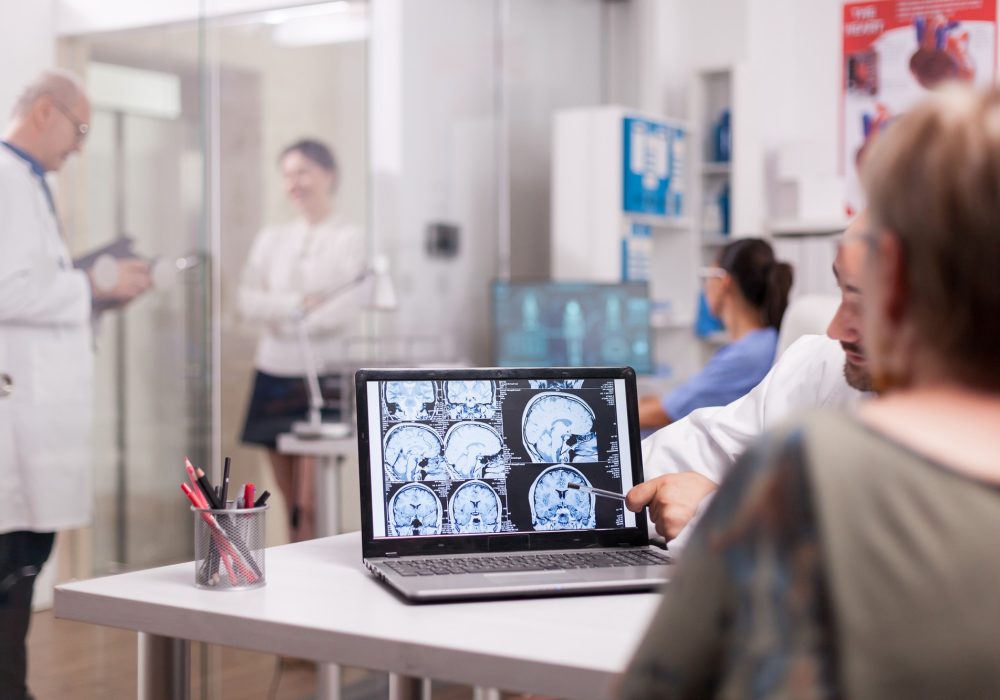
(472, 450)
(555, 506)
(409, 400)
(475, 508)
(414, 510)
(559, 427)
(470, 399)
(412, 452)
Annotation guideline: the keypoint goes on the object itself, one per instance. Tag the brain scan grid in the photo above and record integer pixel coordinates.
(496, 456)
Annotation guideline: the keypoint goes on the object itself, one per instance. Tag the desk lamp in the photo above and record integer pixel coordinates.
(383, 298)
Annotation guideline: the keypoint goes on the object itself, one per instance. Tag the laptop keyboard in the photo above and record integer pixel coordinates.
(435, 566)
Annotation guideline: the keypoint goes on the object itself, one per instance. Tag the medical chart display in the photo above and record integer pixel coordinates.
(895, 52)
(479, 456)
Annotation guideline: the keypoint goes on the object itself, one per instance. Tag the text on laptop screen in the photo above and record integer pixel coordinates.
(484, 457)
(571, 324)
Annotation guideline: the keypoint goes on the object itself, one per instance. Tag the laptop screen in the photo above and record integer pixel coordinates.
(485, 456)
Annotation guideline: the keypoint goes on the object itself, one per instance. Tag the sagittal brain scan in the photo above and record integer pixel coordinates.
(459, 456)
(555, 506)
(559, 427)
(415, 510)
(409, 400)
(475, 508)
(412, 453)
(471, 448)
(470, 399)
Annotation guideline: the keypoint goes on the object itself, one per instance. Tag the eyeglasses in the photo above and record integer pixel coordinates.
(82, 128)
(707, 273)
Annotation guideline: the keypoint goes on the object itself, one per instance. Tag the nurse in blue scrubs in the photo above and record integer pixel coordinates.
(747, 290)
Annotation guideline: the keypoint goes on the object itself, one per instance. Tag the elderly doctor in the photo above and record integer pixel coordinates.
(45, 355)
(685, 461)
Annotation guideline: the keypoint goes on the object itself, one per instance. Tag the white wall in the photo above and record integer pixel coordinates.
(552, 61)
(27, 46)
(437, 163)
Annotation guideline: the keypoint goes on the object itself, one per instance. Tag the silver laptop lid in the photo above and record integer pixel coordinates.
(477, 460)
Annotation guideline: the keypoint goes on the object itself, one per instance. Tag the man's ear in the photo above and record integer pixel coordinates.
(41, 111)
(895, 277)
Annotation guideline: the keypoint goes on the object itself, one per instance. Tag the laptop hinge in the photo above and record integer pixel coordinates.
(391, 555)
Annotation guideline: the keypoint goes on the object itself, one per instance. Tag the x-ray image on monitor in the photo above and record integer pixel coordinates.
(450, 475)
(571, 324)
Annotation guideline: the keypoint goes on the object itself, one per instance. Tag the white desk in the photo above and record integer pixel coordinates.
(320, 603)
(330, 454)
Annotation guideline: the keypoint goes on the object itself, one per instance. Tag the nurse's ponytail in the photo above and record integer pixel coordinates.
(763, 281)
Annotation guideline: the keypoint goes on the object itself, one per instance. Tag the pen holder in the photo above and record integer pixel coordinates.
(229, 548)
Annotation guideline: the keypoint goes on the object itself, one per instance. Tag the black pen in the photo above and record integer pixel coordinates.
(207, 489)
(262, 499)
(597, 492)
(225, 482)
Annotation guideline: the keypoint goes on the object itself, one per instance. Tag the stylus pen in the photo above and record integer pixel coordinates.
(597, 492)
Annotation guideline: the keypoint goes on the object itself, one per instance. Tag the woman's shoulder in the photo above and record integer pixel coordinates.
(270, 233)
(792, 448)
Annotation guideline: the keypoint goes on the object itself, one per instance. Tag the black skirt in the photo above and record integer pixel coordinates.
(277, 402)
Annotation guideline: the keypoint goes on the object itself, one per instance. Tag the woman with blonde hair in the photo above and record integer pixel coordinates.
(856, 556)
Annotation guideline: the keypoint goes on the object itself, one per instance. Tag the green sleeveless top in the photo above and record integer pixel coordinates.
(833, 562)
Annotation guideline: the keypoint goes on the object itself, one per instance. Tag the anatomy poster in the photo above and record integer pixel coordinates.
(481, 456)
(897, 50)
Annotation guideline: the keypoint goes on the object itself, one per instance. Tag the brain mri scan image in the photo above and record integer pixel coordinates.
(412, 452)
(414, 510)
(473, 451)
(409, 400)
(555, 506)
(470, 399)
(475, 508)
(559, 427)
(555, 383)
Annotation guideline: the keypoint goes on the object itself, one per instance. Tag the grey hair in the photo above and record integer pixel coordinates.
(61, 85)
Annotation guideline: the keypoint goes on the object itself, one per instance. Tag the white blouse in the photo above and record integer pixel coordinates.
(287, 263)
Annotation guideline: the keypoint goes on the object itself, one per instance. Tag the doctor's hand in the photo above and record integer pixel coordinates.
(673, 500)
(121, 280)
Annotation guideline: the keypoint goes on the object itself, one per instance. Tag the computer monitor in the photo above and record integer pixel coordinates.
(571, 324)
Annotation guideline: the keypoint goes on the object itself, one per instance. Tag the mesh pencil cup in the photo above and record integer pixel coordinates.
(229, 548)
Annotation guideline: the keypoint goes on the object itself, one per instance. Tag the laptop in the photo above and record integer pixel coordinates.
(486, 483)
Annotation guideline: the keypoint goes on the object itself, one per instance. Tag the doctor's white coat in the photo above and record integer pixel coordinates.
(45, 346)
(809, 375)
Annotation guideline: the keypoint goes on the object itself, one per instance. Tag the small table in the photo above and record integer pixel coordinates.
(320, 603)
(330, 454)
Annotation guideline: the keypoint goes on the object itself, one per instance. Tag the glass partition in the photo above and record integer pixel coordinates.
(189, 120)
(141, 177)
(451, 184)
